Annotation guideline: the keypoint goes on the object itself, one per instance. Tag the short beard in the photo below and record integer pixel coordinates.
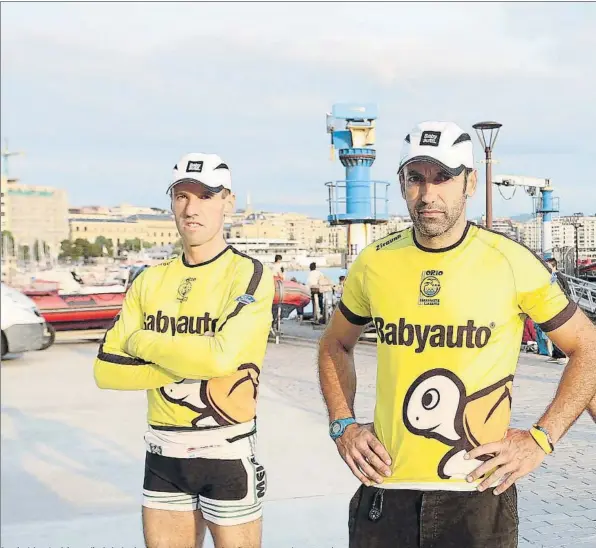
(433, 228)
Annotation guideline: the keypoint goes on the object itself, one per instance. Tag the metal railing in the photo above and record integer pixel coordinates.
(378, 199)
(583, 293)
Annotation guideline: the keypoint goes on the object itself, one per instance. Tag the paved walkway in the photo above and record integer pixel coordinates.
(72, 455)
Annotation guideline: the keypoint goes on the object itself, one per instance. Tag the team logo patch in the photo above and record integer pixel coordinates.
(194, 167)
(184, 289)
(553, 278)
(245, 299)
(430, 287)
(430, 138)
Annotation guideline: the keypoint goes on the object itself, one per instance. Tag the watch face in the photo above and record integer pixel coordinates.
(335, 428)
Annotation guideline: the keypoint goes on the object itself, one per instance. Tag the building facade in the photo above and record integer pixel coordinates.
(563, 234)
(34, 215)
(152, 230)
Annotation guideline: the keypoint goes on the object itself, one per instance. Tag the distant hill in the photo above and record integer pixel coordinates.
(522, 218)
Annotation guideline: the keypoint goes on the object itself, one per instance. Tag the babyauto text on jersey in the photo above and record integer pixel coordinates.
(437, 336)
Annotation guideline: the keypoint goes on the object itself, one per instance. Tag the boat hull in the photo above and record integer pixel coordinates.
(73, 312)
(79, 312)
(289, 296)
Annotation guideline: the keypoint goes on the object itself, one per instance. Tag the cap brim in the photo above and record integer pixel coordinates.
(214, 189)
(454, 172)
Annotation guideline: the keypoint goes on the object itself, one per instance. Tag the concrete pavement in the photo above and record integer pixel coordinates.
(72, 455)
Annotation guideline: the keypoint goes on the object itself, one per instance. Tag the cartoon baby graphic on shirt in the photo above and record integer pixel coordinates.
(436, 406)
(221, 401)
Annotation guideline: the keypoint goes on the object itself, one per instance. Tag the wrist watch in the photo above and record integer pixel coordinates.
(542, 438)
(338, 427)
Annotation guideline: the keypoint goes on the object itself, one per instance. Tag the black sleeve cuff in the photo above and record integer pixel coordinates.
(351, 317)
(119, 360)
(561, 318)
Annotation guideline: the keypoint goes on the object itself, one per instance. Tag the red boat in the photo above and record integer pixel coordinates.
(289, 296)
(74, 312)
(77, 312)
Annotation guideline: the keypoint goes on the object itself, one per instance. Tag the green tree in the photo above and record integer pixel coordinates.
(104, 243)
(82, 248)
(37, 251)
(8, 242)
(66, 248)
(40, 250)
(24, 252)
(132, 245)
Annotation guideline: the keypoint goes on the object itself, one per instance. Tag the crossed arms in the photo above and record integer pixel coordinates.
(133, 358)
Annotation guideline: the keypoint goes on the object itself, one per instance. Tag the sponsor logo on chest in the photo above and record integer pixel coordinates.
(162, 323)
(184, 289)
(430, 287)
(420, 336)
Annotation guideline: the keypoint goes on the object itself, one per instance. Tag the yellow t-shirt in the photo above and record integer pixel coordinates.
(449, 326)
(158, 343)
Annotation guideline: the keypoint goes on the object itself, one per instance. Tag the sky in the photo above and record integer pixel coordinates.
(104, 98)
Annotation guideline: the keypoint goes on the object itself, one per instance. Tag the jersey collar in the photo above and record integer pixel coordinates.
(442, 249)
(206, 262)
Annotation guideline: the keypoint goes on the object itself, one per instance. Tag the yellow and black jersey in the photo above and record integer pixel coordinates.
(195, 337)
(449, 324)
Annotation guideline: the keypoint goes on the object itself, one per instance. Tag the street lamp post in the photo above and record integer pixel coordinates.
(575, 222)
(487, 134)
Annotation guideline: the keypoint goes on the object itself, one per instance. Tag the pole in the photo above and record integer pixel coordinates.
(489, 188)
(576, 227)
(546, 200)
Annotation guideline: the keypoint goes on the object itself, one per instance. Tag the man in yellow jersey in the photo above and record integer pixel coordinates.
(193, 333)
(448, 300)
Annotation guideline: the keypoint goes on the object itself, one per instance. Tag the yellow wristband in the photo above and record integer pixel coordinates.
(541, 438)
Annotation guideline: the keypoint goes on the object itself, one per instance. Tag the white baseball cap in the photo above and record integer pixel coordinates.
(206, 169)
(442, 143)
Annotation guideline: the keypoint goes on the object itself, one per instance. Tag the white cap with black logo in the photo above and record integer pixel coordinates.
(442, 143)
(205, 169)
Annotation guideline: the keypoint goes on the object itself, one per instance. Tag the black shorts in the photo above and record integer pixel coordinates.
(228, 492)
(437, 519)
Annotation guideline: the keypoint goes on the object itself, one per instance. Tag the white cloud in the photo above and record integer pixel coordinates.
(124, 88)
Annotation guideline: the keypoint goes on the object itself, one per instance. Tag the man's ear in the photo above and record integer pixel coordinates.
(230, 206)
(472, 184)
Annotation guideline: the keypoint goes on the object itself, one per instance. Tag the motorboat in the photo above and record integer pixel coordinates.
(68, 303)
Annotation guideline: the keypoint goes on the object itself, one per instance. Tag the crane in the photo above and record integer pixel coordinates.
(545, 203)
(5, 155)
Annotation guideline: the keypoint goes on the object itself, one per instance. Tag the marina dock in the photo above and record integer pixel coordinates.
(72, 455)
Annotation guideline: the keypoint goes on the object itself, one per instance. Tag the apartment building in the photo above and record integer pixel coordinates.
(34, 214)
(155, 230)
(563, 234)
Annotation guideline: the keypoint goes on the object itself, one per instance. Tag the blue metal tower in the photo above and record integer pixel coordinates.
(356, 201)
(546, 205)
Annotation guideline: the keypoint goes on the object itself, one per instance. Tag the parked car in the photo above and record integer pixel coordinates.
(23, 327)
